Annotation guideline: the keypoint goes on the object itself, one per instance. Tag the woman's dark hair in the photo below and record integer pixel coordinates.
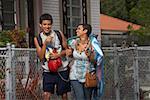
(46, 16)
(88, 27)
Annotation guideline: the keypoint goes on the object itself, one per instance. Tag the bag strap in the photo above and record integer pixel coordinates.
(66, 80)
(39, 40)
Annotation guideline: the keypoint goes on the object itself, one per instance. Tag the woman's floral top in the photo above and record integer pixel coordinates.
(81, 63)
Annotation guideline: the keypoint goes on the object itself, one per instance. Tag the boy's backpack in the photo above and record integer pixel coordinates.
(58, 34)
(53, 64)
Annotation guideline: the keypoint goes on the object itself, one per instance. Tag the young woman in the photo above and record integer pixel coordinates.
(86, 53)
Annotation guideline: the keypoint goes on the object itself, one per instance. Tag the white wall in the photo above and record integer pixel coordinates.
(95, 17)
(52, 7)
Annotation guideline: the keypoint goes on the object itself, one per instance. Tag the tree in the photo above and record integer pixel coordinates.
(141, 13)
(135, 11)
(141, 36)
(115, 8)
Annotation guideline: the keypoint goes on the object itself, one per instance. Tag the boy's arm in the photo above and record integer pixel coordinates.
(41, 50)
(64, 44)
(64, 41)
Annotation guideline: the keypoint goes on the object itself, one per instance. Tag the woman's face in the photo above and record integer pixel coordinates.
(80, 30)
(46, 26)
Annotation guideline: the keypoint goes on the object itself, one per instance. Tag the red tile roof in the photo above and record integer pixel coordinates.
(114, 24)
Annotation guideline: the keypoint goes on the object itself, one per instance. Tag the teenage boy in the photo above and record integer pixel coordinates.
(51, 39)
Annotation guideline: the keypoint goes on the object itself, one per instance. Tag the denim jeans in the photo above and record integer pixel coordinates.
(80, 92)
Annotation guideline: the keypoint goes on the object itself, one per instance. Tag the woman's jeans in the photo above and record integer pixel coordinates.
(80, 92)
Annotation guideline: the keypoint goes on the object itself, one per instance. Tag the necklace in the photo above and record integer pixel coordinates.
(82, 46)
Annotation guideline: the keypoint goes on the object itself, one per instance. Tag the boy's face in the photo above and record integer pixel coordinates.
(46, 26)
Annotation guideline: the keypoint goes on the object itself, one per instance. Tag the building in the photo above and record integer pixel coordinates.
(24, 14)
(114, 30)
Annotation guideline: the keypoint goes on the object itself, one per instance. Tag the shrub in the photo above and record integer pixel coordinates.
(16, 37)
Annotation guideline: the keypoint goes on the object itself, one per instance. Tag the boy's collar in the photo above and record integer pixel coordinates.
(47, 34)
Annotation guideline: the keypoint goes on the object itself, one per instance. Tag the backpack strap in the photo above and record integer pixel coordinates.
(58, 34)
(59, 37)
(39, 40)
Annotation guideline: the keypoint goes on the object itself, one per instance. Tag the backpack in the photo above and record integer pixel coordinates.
(53, 64)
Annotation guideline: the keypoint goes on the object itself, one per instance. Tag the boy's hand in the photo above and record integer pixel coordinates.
(48, 39)
(54, 55)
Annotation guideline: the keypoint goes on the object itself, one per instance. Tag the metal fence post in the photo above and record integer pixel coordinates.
(116, 77)
(136, 75)
(8, 88)
(13, 74)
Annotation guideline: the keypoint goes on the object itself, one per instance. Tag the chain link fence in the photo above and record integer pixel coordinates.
(19, 74)
(2, 73)
(127, 74)
(27, 74)
(109, 92)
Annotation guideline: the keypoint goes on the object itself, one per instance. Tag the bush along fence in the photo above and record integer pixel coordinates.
(127, 73)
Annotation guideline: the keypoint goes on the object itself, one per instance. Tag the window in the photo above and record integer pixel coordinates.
(73, 13)
(7, 14)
